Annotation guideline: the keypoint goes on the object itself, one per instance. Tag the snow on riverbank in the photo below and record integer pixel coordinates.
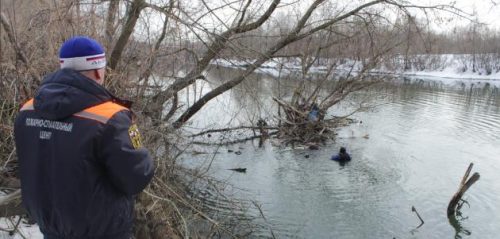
(446, 66)
(23, 231)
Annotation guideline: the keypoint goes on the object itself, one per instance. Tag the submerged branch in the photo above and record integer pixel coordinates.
(233, 141)
(465, 184)
(228, 129)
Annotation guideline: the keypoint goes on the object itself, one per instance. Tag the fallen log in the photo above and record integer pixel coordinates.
(465, 184)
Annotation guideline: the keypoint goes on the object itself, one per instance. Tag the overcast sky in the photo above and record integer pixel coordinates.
(488, 11)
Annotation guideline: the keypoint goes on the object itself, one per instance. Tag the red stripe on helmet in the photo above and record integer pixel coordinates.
(95, 58)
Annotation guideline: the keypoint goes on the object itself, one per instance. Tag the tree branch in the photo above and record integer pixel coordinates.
(19, 52)
(133, 15)
(217, 45)
(243, 12)
(110, 21)
(339, 18)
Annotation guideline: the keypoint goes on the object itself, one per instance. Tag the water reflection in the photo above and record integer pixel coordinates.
(460, 231)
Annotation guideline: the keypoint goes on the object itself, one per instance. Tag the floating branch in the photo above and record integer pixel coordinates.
(233, 141)
(418, 215)
(230, 129)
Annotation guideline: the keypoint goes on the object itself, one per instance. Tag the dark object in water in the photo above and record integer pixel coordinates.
(306, 156)
(237, 152)
(230, 151)
(454, 205)
(239, 170)
(342, 156)
(418, 215)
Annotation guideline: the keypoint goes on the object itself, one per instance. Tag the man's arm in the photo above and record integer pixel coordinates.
(127, 162)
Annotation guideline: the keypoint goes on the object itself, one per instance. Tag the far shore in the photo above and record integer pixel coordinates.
(446, 66)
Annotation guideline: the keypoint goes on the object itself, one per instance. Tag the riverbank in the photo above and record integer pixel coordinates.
(445, 66)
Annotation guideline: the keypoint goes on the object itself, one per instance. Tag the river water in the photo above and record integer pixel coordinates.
(418, 143)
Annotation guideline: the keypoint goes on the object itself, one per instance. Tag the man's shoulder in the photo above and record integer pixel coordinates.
(104, 112)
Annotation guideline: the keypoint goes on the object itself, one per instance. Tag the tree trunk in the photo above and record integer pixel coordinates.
(110, 21)
(133, 15)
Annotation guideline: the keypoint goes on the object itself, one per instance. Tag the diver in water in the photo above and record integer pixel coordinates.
(342, 156)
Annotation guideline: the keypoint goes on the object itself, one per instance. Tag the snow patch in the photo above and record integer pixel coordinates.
(24, 230)
(448, 66)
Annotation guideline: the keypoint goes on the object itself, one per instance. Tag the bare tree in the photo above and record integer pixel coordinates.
(188, 38)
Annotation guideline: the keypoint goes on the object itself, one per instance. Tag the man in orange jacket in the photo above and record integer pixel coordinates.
(81, 160)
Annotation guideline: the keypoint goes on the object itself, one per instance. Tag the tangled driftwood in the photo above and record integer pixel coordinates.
(297, 126)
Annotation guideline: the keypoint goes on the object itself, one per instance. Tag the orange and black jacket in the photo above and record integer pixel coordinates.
(80, 159)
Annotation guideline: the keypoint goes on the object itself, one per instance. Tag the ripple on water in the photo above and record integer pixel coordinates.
(418, 148)
(459, 116)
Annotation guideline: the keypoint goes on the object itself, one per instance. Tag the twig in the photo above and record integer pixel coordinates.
(228, 129)
(285, 105)
(6, 127)
(19, 52)
(418, 215)
(184, 223)
(233, 141)
(263, 217)
(11, 233)
(15, 229)
(181, 199)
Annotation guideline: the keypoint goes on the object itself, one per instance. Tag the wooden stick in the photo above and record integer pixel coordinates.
(230, 129)
(418, 215)
(16, 227)
(285, 105)
(466, 175)
(465, 184)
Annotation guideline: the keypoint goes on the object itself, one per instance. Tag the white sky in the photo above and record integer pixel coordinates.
(486, 10)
